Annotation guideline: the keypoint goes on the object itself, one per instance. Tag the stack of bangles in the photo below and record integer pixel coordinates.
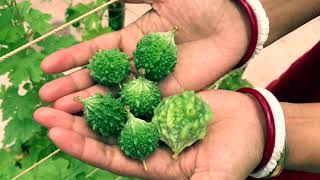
(275, 152)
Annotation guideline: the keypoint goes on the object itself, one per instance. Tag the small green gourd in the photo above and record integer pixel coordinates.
(104, 114)
(109, 67)
(156, 53)
(181, 120)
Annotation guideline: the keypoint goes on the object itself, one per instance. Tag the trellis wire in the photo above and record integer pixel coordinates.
(36, 164)
(92, 172)
(2, 58)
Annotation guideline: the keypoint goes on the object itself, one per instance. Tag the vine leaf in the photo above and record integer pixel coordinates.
(22, 68)
(19, 109)
(50, 170)
(37, 20)
(10, 30)
(54, 43)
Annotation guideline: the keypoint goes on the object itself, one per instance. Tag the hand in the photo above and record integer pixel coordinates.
(212, 38)
(230, 151)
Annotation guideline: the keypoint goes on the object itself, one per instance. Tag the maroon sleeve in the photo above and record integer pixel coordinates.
(301, 82)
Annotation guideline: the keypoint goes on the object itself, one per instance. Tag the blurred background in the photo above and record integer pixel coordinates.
(267, 66)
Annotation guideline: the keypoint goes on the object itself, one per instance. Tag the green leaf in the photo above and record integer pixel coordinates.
(19, 109)
(22, 68)
(92, 33)
(11, 29)
(54, 43)
(2, 91)
(78, 10)
(7, 164)
(38, 21)
(234, 81)
(50, 170)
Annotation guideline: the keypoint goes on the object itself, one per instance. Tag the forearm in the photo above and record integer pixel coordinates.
(287, 15)
(303, 136)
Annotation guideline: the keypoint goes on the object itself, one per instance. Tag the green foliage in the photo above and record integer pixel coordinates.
(116, 15)
(20, 24)
(91, 26)
(232, 81)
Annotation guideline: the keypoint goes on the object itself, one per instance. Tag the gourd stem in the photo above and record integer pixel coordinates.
(175, 156)
(144, 165)
(142, 72)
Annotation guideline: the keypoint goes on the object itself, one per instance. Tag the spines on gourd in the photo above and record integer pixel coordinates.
(156, 53)
(142, 96)
(109, 67)
(139, 138)
(104, 114)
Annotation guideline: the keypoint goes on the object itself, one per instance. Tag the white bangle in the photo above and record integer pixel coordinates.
(263, 26)
(280, 134)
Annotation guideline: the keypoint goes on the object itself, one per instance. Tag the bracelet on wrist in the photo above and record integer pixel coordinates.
(259, 25)
(275, 152)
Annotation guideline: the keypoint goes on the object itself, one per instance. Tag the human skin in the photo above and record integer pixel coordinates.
(234, 140)
(212, 37)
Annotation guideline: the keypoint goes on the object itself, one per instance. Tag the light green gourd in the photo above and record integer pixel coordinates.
(181, 120)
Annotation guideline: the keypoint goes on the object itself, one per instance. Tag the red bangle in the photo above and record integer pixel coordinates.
(270, 126)
(254, 32)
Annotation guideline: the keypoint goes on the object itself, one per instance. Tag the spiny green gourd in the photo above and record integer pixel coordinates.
(139, 138)
(104, 114)
(181, 120)
(109, 67)
(156, 53)
(142, 96)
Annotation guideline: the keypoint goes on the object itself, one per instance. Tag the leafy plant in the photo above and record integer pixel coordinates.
(232, 81)
(95, 25)
(25, 141)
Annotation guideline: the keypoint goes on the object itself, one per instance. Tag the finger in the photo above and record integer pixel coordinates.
(50, 118)
(95, 153)
(67, 103)
(79, 54)
(74, 82)
(199, 64)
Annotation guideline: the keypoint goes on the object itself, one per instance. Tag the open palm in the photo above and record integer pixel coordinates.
(230, 151)
(211, 40)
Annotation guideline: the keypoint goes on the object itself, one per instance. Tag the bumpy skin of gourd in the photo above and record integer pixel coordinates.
(104, 114)
(139, 138)
(109, 67)
(142, 96)
(156, 53)
(181, 120)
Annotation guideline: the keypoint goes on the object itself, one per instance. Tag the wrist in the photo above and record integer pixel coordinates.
(302, 122)
(259, 29)
(239, 14)
(275, 151)
(260, 132)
